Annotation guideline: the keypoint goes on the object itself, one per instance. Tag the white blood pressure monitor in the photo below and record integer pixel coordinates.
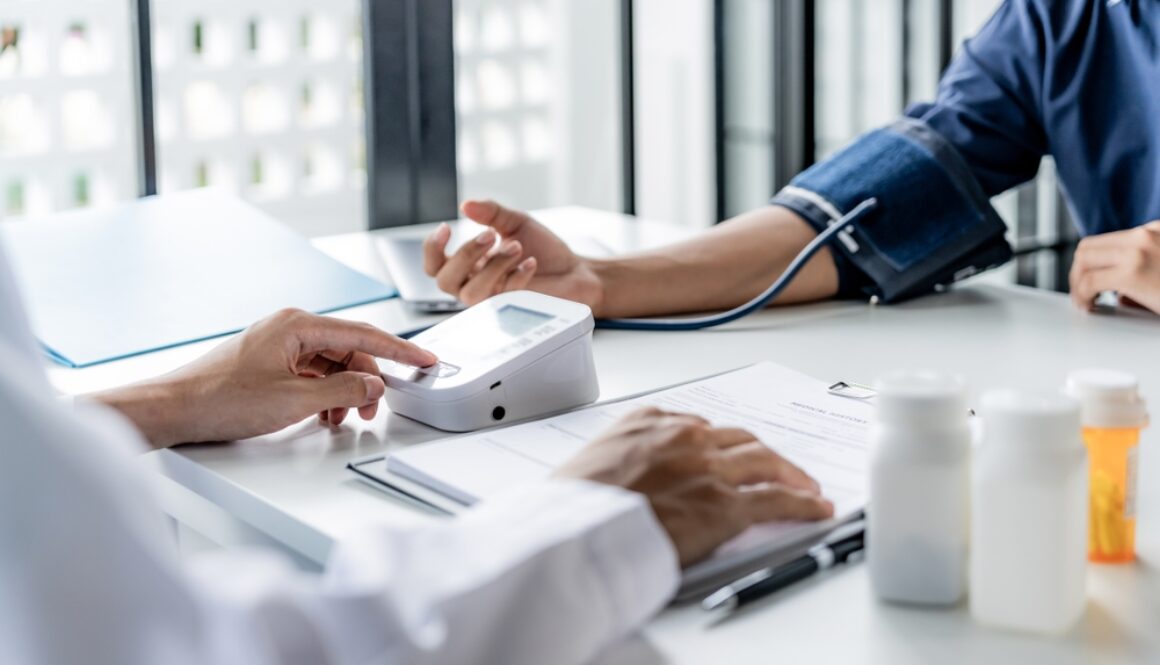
(515, 356)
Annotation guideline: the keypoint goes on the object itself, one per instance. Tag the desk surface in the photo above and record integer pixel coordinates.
(292, 487)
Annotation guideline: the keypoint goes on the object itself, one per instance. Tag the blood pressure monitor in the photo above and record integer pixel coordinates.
(516, 356)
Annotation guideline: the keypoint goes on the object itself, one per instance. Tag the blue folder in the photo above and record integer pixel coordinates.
(163, 271)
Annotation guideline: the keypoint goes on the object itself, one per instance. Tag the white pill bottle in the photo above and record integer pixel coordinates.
(918, 517)
(1029, 518)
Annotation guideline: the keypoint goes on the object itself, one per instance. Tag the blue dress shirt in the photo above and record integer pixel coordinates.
(1075, 79)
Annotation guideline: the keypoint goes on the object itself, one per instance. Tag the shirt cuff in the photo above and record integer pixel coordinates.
(626, 545)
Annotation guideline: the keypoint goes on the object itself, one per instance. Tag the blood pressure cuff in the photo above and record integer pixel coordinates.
(933, 224)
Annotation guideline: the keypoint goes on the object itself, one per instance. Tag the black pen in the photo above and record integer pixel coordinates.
(769, 580)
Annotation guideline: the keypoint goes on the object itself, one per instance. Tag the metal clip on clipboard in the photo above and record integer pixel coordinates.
(862, 393)
(851, 390)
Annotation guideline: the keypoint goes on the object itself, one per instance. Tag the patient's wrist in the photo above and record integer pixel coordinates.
(600, 270)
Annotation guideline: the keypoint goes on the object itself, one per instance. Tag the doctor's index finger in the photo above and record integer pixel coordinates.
(776, 503)
(754, 462)
(744, 453)
(319, 333)
(727, 437)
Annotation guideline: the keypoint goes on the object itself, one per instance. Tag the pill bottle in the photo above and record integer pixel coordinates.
(1029, 513)
(917, 520)
(1112, 414)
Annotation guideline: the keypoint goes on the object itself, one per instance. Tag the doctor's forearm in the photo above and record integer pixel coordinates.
(156, 408)
(725, 267)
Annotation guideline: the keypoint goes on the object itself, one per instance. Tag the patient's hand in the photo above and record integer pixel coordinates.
(281, 370)
(529, 256)
(1124, 261)
(705, 484)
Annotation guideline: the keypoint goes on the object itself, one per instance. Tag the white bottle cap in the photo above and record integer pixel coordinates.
(920, 398)
(1108, 398)
(1045, 419)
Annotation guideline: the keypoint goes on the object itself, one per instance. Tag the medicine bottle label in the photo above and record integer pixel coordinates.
(1130, 485)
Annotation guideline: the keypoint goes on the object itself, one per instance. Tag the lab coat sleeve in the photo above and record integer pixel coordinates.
(988, 104)
(551, 574)
(554, 573)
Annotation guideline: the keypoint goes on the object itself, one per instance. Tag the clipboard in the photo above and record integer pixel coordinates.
(451, 461)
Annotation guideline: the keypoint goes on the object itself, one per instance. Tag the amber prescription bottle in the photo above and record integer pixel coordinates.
(1113, 414)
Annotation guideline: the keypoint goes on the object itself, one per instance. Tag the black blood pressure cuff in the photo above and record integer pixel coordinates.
(933, 224)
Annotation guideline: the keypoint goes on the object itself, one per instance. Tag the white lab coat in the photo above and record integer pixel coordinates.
(88, 573)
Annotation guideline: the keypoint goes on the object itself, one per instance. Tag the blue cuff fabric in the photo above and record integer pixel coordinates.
(933, 224)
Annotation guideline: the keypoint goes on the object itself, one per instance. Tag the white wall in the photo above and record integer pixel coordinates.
(675, 155)
(749, 105)
(589, 169)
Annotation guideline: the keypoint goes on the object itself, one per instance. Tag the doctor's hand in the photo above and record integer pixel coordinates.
(705, 484)
(528, 256)
(278, 372)
(1123, 261)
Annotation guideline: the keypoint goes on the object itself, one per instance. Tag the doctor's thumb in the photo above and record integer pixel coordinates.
(342, 390)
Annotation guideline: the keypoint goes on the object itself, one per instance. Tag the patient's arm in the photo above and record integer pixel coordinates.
(726, 266)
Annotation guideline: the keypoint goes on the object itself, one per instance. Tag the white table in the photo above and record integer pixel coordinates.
(291, 489)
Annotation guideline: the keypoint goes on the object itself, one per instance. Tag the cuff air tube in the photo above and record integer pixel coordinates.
(933, 224)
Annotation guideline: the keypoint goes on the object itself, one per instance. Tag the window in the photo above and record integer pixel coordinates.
(268, 101)
(65, 95)
(264, 100)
